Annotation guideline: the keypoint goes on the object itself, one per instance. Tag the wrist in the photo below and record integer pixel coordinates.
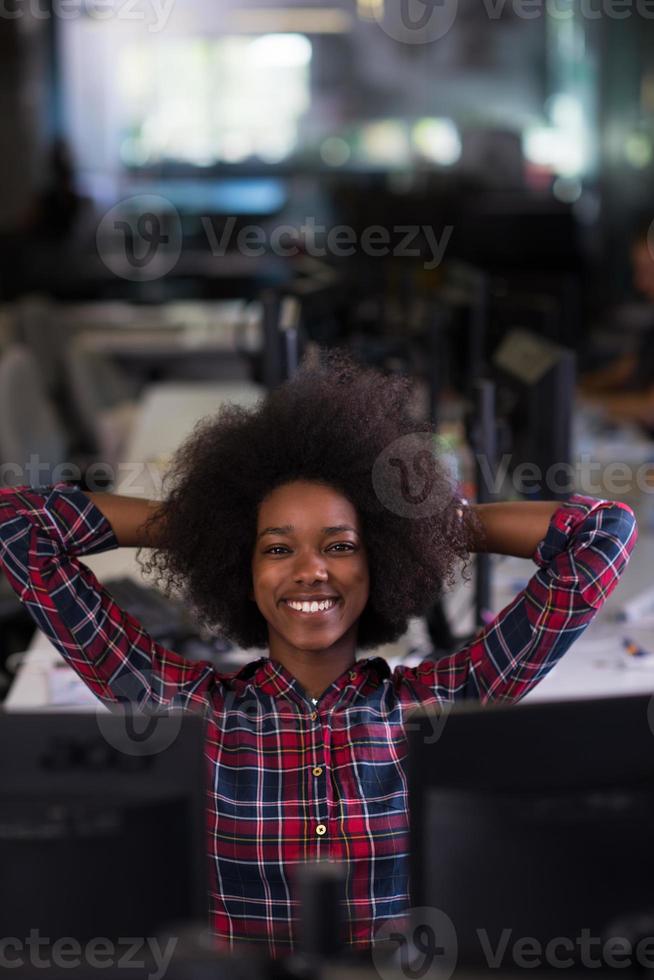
(133, 520)
(513, 528)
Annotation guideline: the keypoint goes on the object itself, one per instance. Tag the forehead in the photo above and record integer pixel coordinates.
(303, 504)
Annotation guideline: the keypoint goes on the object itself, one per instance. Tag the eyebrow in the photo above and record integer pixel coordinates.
(288, 529)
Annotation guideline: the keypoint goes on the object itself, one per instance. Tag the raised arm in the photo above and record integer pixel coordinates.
(43, 534)
(582, 552)
(128, 517)
(513, 528)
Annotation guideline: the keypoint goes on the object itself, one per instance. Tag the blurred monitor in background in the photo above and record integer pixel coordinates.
(536, 386)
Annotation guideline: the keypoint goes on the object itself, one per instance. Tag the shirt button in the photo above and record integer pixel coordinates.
(321, 829)
(314, 715)
(317, 771)
(353, 675)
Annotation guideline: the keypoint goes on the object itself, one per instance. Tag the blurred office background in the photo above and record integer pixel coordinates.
(192, 193)
(526, 127)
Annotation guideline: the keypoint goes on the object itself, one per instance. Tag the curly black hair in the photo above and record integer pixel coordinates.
(329, 425)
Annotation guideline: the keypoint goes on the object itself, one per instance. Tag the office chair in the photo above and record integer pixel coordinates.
(103, 399)
(38, 328)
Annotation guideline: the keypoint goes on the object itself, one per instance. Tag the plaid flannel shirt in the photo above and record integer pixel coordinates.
(291, 781)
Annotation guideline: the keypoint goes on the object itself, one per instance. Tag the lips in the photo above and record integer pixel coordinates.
(315, 607)
(314, 597)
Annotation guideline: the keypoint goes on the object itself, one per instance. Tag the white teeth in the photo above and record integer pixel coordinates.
(312, 607)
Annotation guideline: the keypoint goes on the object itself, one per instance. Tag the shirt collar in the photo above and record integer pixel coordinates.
(274, 679)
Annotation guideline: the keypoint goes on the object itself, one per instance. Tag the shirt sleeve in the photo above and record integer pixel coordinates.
(581, 559)
(43, 533)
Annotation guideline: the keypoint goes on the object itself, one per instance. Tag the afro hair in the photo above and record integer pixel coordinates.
(334, 423)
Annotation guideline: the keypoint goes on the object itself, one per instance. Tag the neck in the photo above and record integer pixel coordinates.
(314, 669)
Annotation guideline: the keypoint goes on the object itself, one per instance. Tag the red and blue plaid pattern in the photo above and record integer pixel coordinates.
(291, 782)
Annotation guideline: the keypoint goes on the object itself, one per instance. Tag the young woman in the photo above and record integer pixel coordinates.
(278, 530)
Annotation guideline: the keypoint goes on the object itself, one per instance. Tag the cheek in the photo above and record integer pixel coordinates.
(361, 581)
(264, 585)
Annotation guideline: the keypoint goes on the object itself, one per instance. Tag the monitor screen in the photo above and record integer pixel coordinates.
(530, 832)
(102, 825)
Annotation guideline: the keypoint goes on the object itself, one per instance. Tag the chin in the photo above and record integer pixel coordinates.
(314, 641)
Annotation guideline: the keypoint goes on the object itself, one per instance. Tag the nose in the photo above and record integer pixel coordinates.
(310, 566)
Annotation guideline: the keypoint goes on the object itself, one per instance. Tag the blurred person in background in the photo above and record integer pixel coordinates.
(624, 389)
(58, 206)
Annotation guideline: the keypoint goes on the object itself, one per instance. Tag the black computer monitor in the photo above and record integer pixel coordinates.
(102, 825)
(531, 833)
(535, 397)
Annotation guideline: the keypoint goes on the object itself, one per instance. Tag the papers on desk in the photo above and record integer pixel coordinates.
(67, 690)
(639, 609)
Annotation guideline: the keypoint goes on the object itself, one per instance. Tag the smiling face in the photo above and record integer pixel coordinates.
(309, 569)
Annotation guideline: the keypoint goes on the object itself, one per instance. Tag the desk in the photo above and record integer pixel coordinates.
(127, 329)
(596, 665)
(212, 338)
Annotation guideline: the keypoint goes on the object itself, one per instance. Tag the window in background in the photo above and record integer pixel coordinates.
(202, 102)
(313, 86)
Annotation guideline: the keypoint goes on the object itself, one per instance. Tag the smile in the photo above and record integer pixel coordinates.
(312, 608)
